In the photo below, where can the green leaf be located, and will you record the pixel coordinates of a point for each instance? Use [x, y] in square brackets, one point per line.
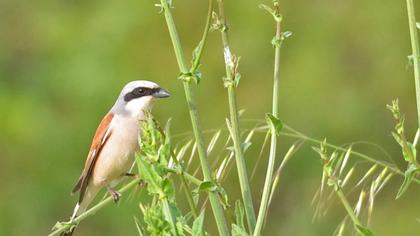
[418, 25]
[237, 79]
[397, 138]
[155, 221]
[196, 52]
[168, 189]
[138, 226]
[244, 147]
[238, 231]
[198, 225]
[150, 176]
[274, 123]
[409, 174]
[239, 214]
[223, 196]
[207, 186]
[363, 231]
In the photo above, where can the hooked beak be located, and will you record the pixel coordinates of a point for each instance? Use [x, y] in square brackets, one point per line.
[161, 93]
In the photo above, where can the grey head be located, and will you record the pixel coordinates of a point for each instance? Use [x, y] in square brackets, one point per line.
[137, 96]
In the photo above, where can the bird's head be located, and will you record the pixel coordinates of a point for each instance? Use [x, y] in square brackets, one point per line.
[138, 96]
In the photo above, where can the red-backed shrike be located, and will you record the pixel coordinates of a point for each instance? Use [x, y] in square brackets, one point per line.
[115, 142]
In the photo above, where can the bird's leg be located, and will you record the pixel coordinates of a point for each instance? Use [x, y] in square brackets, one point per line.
[114, 194]
[130, 174]
[141, 182]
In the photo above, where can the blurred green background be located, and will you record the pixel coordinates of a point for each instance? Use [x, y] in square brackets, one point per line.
[62, 64]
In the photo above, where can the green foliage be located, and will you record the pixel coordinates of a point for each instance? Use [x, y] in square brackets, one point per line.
[162, 216]
[198, 226]
[332, 168]
[409, 151]
[363, 231]
[155, 221]
[239, 227]
[274, 122]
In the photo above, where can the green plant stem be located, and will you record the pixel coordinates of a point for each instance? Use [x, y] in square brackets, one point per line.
[93, 209]
[214, 200]
[192, 179]
[416, 53]
[235, 130]
[394, 169]
[273, 145]
[348, 208]
[196, 62]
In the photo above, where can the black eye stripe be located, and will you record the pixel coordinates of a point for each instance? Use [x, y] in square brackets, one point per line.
[139, 92]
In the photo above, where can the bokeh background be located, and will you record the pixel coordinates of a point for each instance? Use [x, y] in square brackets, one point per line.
[63, 62]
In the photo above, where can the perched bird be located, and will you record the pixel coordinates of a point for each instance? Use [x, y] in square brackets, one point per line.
[115, 142]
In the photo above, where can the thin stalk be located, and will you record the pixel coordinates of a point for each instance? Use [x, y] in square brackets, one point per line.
[348, 208]
[416, 53]
[273, 144]
[214, 200]
[192, 179]
[66, 226]
[234, 122]
[359, 154]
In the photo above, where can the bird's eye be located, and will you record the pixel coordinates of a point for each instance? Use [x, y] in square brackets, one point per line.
[140, 91]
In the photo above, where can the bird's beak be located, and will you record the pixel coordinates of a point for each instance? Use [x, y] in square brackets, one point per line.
[161, 93]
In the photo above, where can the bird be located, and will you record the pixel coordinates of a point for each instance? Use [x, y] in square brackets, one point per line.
[115, 143]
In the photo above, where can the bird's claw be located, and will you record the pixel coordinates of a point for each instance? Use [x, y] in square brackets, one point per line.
[115, 195]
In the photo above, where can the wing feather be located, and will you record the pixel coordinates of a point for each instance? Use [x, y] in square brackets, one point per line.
[102, 135]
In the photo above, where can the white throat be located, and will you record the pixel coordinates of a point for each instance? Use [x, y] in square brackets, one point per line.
[137, 107]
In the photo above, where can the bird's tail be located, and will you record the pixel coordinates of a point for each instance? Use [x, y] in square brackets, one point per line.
[82, 207]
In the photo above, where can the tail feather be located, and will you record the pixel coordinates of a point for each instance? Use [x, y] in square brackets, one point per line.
[82, 207]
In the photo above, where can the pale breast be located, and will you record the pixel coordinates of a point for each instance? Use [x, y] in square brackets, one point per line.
[117, 156]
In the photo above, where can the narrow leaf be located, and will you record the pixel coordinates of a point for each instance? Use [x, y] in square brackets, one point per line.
[274, 123]
[409, 174]
[198, 225]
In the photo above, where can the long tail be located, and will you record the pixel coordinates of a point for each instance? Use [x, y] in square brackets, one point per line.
[82, 206]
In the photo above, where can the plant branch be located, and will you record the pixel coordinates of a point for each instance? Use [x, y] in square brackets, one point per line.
[231, 76]
[67, 225]
[273, 144]
[348, 208]
[392, 168]
[416, 53]
[186, 77]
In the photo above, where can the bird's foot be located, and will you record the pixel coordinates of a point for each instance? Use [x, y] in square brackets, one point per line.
[141, 183]
[131, 175]
[114, 194]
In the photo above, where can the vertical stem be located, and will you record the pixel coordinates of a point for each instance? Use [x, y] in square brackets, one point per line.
[214, 200]
[234, 120]
[240, 162]
[273, 146]
[416, 53]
